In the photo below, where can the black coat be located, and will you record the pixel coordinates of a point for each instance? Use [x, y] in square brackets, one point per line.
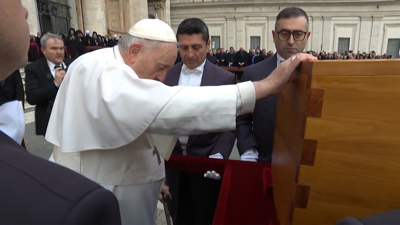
[36, 191]
[12, 88]
[256, 130]
[192, 192]
[40, 90]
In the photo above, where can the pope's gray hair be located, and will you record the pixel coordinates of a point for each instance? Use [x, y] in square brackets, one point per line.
[127, 40]
[48, 36]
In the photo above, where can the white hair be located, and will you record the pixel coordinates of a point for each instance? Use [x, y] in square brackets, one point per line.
[127, 40]
[46, 37]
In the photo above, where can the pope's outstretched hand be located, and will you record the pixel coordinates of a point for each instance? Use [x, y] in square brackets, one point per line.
[279, 78]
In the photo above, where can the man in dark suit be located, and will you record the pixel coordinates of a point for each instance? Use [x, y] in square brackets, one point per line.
[43, 78]
[33, 190]
[221, 58]
[255, 132]
[240, 57]
[12, 120]
[195, 197]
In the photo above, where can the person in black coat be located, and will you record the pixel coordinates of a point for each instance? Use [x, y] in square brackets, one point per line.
[211, 57]
[34, 190]
[12, 88]
[81, 44]
[255, 131]
[194, 197]
[43, 78]
[72, 43]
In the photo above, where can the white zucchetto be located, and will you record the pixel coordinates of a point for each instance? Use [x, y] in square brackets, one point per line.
[153, 29]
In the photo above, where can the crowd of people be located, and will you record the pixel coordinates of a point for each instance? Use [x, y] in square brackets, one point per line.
[75, 43]
[242, 57]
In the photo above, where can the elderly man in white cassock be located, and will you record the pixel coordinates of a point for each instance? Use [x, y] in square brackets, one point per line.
[111, 105]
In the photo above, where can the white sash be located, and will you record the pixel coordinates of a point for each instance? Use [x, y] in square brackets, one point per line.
[12, 121]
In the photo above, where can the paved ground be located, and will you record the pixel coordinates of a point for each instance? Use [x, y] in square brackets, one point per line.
[36, 144]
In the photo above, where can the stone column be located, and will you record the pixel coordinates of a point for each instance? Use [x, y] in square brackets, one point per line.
[73, 13]
[136, 11]
[240, 34]
[327, 34]
[376, 42]
[79, 15]
[230, 33]
[33, 18]
[365, 31]
[270, 38]
[310, 40]
[167, 14]
[316, 33]
[94, 16]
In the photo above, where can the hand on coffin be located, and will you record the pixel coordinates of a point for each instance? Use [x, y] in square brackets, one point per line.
[213, 175]
[164, 192]
[280, 77]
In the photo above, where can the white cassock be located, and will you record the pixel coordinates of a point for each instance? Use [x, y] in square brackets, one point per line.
[12, 121]
[104, 118]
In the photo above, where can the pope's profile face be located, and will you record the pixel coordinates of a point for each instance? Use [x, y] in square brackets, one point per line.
[15, 41]
[154, 62]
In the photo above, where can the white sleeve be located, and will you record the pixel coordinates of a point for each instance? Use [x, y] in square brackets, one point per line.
[195, 110]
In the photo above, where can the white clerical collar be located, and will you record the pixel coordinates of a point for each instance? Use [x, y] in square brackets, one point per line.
[198, 70]
[117, 54]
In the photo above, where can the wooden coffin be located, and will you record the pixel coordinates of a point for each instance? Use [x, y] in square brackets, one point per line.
[337, 142]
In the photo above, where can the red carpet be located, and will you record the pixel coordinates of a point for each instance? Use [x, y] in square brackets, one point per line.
[246, 193]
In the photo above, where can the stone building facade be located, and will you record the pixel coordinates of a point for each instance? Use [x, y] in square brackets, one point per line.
[358, 25]
[103, 16]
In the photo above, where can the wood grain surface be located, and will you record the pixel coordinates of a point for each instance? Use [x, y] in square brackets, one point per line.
[339, 136]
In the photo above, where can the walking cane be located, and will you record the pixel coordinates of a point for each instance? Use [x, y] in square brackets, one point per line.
[166, 197]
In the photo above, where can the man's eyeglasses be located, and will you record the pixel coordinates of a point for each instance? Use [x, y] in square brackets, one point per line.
[298, 35]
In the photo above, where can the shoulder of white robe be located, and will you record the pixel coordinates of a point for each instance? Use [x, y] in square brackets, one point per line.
[104, 122]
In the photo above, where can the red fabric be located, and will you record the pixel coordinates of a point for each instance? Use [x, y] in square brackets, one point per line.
[37, 48]
[246, 191]
[67, 51]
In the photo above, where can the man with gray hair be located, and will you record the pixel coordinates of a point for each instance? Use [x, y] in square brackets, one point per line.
[44, 77]
[111, 112]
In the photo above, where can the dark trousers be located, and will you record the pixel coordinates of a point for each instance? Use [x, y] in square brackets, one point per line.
[197, 199]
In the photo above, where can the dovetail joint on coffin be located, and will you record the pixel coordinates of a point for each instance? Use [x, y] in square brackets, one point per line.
[309, 152]
[315, 103]
[302, 195]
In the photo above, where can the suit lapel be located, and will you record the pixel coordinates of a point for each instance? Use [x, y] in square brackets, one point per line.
[45, 67]
[172, 78]
[207, 79]
[275, 60]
